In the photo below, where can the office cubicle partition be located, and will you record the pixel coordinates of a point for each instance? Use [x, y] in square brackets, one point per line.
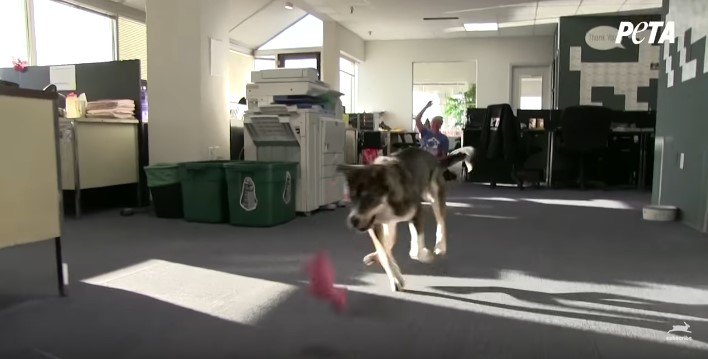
[30, 183]
[102, 80]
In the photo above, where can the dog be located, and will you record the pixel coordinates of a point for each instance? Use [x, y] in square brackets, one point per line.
[392, 190]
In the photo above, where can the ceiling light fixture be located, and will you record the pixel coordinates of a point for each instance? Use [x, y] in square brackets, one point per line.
[289, 5]
[481, 26]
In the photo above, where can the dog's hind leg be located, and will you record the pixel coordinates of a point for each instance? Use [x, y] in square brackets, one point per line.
[440, 212]
[387, 262]
[418, 250]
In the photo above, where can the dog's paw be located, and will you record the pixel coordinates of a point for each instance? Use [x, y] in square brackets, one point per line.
[440, 249]
[370, 259]
[397, 285]
[423, 256]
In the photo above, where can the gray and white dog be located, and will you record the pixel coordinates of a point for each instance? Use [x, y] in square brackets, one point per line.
[393, 190]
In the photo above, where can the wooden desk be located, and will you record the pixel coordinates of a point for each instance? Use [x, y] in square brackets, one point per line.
[98, 153]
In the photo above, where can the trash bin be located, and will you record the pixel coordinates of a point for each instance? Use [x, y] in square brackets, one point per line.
[261, 194]
[166, 189]
[204, 193]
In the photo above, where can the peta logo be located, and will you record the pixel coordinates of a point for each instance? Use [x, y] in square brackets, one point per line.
[627, 29]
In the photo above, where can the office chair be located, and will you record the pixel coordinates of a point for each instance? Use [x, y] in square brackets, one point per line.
[585, 131]
[501, 144]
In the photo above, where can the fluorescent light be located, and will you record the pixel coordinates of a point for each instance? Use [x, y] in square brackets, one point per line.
[481, 26]
[289, 5]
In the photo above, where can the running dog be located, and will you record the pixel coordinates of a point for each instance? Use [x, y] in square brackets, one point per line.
[392, 190]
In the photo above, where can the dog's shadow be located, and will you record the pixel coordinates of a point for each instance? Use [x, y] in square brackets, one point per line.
[624, 313]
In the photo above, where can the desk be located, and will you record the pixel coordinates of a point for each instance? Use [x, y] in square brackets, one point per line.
[97, 153]
[643, 134]
[548, 171]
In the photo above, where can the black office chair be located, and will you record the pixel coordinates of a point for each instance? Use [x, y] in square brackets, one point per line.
[501, 144]
[585, 132]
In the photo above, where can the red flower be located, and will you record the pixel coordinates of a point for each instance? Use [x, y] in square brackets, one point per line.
[19, 65]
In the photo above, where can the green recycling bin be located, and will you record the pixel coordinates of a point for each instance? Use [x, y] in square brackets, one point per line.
[165, 189]
[204, 193]
[261, 194]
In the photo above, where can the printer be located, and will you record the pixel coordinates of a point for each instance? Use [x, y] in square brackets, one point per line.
[294, 117]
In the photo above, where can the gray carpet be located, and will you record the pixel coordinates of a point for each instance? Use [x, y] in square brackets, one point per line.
[530, 274]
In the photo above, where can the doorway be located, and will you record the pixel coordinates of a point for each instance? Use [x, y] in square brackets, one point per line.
[531, 87]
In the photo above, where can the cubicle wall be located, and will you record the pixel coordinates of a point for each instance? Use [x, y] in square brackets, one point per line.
[30, 184]
[681, 164]
[30, 208]
[102, 80]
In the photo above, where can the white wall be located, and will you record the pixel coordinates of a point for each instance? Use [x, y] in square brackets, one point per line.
[188, 106]
[386, 77]
[445, 72]
[240, 67]
[329, 57]
[351, 44]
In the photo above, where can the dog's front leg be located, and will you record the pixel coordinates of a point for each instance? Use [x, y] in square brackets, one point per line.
[441, 230]
[387, 262]
[418, 250]
[388, 237]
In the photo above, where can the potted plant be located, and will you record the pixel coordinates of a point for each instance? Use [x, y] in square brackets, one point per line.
[456, 106]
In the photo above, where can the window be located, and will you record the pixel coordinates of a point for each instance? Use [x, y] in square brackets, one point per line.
[13, 32]
[67, 34]
[531, 93]
[132, 43]
[305, 33]
[348, 83]
[300, 63]
[300, 60]
[264, 63]
[451, 86]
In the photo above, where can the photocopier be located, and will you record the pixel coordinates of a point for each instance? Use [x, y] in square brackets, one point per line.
[294, 117]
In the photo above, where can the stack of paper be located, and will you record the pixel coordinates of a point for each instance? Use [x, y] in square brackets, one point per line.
[111, 109]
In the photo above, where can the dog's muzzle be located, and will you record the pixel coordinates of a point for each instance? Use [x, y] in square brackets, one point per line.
[361, 224]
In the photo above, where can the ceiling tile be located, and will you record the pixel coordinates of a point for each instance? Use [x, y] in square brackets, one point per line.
[516, 13]
[651, 3]
[555, 11]
[630, 7]
[602, 2]
[597, 9]
[548, 3]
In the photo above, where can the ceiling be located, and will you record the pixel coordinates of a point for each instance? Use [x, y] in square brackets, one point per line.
[397, 19]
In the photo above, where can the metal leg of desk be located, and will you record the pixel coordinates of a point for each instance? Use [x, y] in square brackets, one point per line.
[641, 181]
[77, 180]
[549, 160]
[60, 266]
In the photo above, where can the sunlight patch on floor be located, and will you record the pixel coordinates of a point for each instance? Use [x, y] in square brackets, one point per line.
[576, 305]
[593, 203]
[485, 216]
[223, 295]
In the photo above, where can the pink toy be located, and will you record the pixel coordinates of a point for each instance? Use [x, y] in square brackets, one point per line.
[321, 274]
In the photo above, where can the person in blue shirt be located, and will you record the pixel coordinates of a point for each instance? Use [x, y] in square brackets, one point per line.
[431, 139]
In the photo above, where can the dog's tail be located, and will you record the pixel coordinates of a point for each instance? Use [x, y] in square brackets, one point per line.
[462, 154]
